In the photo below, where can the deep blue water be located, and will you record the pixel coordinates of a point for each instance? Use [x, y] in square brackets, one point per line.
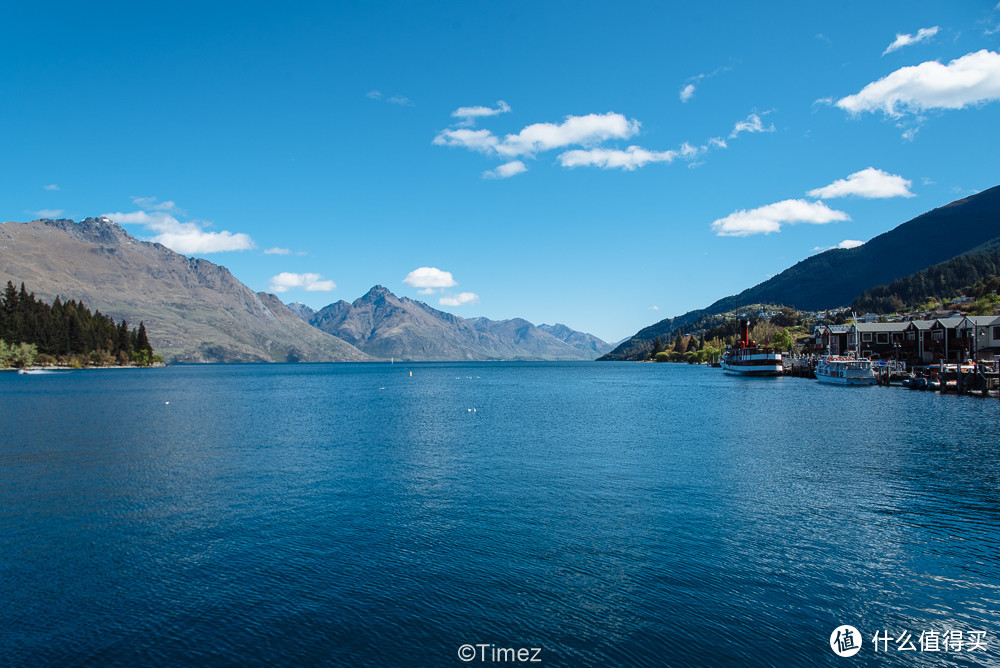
[608, 514]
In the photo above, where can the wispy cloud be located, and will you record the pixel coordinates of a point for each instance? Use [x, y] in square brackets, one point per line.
[539, 137]
[398, 100]
[468, 115]
[506, 170]
[287, 280]
[770, 218]
[582, 130]
[906, 39]
[51, 186]
[970, 80]
[278, 251]
[752, 124]
[187, 238]
[687, 92]
[430, 278]
[460, 299]
[629, 159]
[590, 133]
[49, 213]
[869, 183]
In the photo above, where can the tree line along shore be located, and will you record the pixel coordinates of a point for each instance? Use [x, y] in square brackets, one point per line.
[68, 334]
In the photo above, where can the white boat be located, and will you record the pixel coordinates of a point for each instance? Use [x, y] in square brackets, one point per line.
[845, 371]
[746, 358]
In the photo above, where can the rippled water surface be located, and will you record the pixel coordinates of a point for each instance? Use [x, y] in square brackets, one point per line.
[608, 514]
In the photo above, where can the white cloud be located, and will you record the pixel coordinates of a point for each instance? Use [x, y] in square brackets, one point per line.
[49, 213]
[395, 99]
[583, 130]
[687, 92]
[474, 140]
[906, 40]
[278, 251]
[539, 137]
[770, 218]
[155, 204]
[629, 159]
[459, 299]
[506, 170]
[51, 186]
[589, 132]
[752, 123]
[846, 243]
[869, 183]
[429, 277]
[972, 79]
[470, 114]
[653, 308]
[286, 281]
[187, 238]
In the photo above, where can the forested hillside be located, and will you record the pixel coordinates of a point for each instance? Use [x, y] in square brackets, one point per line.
[67, 332]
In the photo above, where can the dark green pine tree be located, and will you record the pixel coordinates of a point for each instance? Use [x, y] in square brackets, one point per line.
[124, 340]
[142, 340]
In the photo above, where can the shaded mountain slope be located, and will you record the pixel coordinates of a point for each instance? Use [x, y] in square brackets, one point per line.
[838, 276]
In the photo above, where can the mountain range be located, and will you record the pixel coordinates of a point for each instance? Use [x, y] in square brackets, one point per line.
[194, 310]
[386, 326]
[197, 311]
[838, 276]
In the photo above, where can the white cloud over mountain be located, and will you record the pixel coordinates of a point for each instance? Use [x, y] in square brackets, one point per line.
[460, 299]
[287, 280]
[869, 183]
[770, 218]
[186, 238]
[430, 277]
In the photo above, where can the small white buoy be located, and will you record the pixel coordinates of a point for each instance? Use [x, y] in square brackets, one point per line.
[166, 403]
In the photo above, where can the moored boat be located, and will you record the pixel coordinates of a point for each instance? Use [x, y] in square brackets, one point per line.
[851, 369]
[746, 358]
[845, 371]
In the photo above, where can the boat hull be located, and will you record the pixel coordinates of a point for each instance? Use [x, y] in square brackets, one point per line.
[753, 362]
[845, 371]
[758, 371]
[837, 380]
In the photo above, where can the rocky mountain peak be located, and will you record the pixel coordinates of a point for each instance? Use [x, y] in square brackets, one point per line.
[101, 230]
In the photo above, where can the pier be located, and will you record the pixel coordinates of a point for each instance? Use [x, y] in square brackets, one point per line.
[981, 379]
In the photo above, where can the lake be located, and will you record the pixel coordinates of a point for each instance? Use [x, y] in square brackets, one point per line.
[479, 513]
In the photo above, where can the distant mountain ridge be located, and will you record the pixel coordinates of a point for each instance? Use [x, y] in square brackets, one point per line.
[194, 310]
[386, 326]
[838, 276]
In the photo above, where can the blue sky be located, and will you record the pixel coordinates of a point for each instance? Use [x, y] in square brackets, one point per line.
[603, 165]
